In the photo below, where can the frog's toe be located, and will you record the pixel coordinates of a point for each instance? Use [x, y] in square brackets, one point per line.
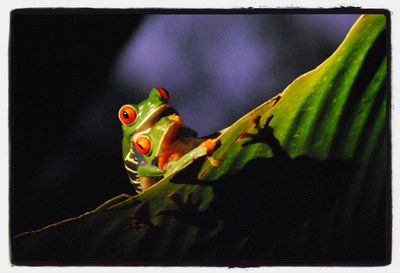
[209, 144]
[215, 162]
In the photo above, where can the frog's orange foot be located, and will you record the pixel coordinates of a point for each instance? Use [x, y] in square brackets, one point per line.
[176, 118]
[209, 144]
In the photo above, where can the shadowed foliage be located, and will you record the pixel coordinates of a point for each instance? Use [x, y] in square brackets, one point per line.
[303, 178]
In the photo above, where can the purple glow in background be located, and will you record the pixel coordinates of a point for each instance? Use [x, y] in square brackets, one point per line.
[218, 67]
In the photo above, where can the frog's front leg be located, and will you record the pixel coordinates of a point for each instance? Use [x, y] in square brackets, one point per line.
[149, 175]
[205, 148]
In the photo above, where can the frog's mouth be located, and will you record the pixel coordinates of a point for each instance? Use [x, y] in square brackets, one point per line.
[159, 112]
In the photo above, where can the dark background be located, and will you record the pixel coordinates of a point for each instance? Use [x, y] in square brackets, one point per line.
[62, 165]
[69, 76]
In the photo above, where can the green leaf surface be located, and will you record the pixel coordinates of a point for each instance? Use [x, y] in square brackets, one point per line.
[302, 177]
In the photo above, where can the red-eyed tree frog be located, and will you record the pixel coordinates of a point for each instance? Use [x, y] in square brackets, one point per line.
[155, 140]
[141, 116]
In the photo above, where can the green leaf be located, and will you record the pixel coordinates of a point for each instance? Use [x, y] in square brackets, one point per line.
[302, 177]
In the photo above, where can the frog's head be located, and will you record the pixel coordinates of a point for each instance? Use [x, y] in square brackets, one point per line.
[153, 144]
[142, 116]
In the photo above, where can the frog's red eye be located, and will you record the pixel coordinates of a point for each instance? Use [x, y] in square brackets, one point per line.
[143, 145]
[163, 93]
[127, 114]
